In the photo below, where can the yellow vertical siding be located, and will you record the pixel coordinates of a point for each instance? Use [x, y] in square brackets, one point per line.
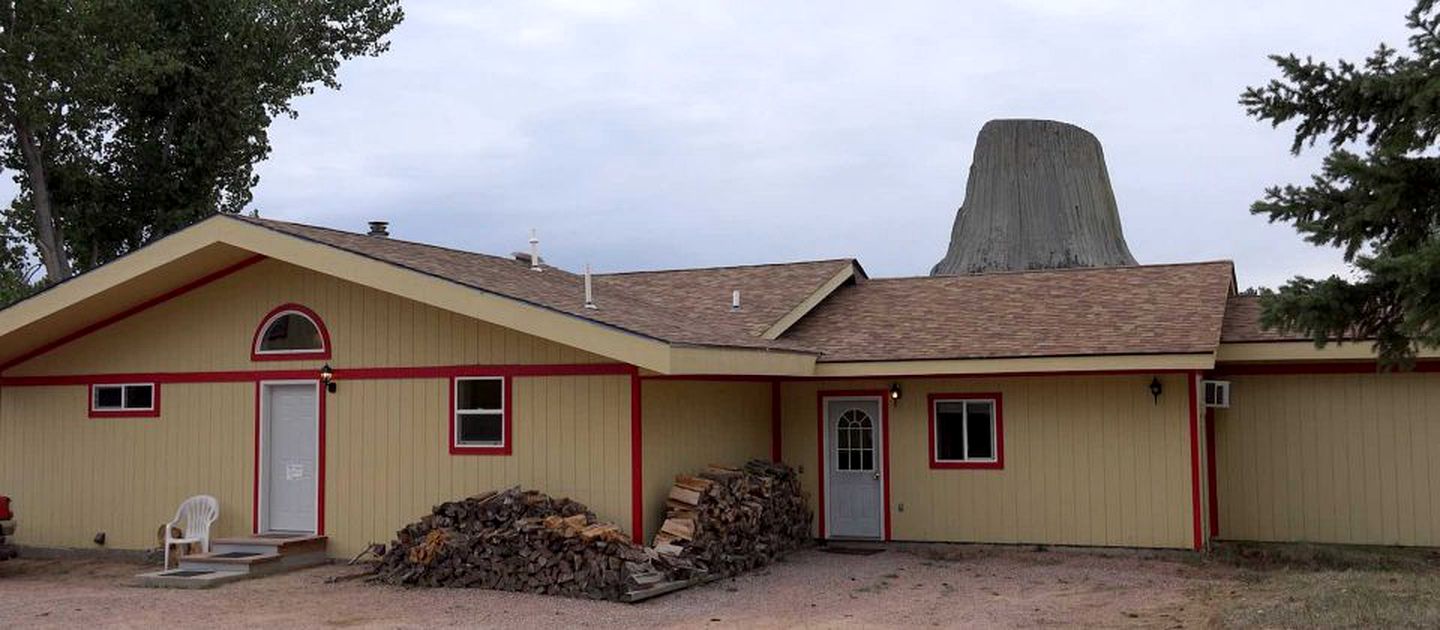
[387, 457]
[688, 424]
[1344, 458]
[1088, 461]
[72, 476]
[212, 327]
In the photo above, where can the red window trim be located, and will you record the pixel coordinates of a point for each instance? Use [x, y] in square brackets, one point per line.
[507, 445]
[298, 309]
[998, 400]
[152, 412]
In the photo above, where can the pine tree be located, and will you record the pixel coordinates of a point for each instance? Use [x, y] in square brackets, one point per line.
[1377, 195]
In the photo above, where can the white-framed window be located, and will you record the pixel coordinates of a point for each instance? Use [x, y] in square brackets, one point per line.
[123, 398]
[479, 416]
[291, 330]
[966, 431]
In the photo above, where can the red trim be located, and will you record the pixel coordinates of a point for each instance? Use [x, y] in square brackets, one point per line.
[354, 374]
[744, 378]
[1223, 370]
[775, 418]
[1199, 541]
[163, 297]
[152, 412]
[255, 482]
[321, 354]
[320, 456]
[888, 377]
[998, 400]
[823, 467]
[1210, 474]
[507, 428]
[637, 463]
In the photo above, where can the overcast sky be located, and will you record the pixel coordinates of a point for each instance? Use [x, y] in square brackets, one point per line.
[639, 135]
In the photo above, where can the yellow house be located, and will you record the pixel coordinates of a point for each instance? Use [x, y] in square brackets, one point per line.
[339, 384]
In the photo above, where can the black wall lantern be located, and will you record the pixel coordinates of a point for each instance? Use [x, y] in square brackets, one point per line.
[894, 392]
[1155, 388]
[327, 376]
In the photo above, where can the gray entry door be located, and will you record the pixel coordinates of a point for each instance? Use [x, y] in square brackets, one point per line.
[854, 501]
[291, 474]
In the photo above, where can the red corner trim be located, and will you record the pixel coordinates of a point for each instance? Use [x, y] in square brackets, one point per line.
[323, 353]
[995, 397]
[822, 466]
[163, 297]
[1199, 541]
[320, 456]
[1210, 473]
[507, 446]
[152, 412]
[775, 422]
[255, 481]
[637, 463]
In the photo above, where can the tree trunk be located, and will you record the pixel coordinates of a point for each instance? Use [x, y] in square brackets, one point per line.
[48, 238]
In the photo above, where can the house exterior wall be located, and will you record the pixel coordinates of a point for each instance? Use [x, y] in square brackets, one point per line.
[1330, 458]
[1089, 460]
[387, 458]
[690, 424]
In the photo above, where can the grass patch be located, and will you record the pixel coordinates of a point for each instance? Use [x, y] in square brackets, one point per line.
[1332, 599]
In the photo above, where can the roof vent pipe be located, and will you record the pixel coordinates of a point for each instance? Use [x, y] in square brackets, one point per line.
[589, 289]
[534, 251]
[379, 228]
[735, 300]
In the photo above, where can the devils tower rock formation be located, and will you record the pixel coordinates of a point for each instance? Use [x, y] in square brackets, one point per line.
[1038, 198]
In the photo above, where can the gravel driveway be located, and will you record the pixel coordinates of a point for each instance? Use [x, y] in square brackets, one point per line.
[921, 586]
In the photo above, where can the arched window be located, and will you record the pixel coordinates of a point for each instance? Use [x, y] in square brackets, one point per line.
[291, 332]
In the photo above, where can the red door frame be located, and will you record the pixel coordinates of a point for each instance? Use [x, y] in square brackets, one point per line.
[883, 397]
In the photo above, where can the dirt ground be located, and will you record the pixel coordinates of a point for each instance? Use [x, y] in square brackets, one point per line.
[947, 586]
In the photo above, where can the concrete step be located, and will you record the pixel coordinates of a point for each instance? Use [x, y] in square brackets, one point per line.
[251, 562]
[184, 578]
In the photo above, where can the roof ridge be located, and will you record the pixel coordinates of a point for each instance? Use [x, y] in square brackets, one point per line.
[468, 252]
[722, 267]
[1016, 272]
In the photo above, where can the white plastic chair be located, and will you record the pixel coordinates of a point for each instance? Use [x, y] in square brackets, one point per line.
[193, 518]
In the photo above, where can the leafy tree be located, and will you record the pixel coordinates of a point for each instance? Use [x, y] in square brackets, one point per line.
[1377, 195]
[125, 120]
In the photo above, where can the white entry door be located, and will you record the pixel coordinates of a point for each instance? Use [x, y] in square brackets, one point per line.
[854, 501]
[290, 440]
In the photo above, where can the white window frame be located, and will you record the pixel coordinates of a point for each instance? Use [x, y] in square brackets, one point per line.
[270, 321]
[95, 397]
[965, 431]
[455, 412]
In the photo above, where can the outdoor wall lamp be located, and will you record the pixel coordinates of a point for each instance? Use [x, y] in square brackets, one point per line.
[894, 392]
[327, 376]
[1156, 388]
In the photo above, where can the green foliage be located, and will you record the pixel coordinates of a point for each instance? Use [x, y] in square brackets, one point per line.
[1380, 205]
[152, 115]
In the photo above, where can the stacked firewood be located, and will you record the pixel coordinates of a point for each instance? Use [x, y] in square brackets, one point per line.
[727, 520]
[520, 541]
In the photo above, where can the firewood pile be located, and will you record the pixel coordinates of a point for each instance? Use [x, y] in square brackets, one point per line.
[523, 541]
[727, 520]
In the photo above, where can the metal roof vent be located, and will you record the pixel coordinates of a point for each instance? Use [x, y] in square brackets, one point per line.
[589, 289]
[534, 251]
[379, 229]
[735, 300]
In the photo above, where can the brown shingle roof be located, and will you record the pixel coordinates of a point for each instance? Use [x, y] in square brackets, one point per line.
[1122, 310]
[655, 316]
[1242, 323]
[767, 292]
